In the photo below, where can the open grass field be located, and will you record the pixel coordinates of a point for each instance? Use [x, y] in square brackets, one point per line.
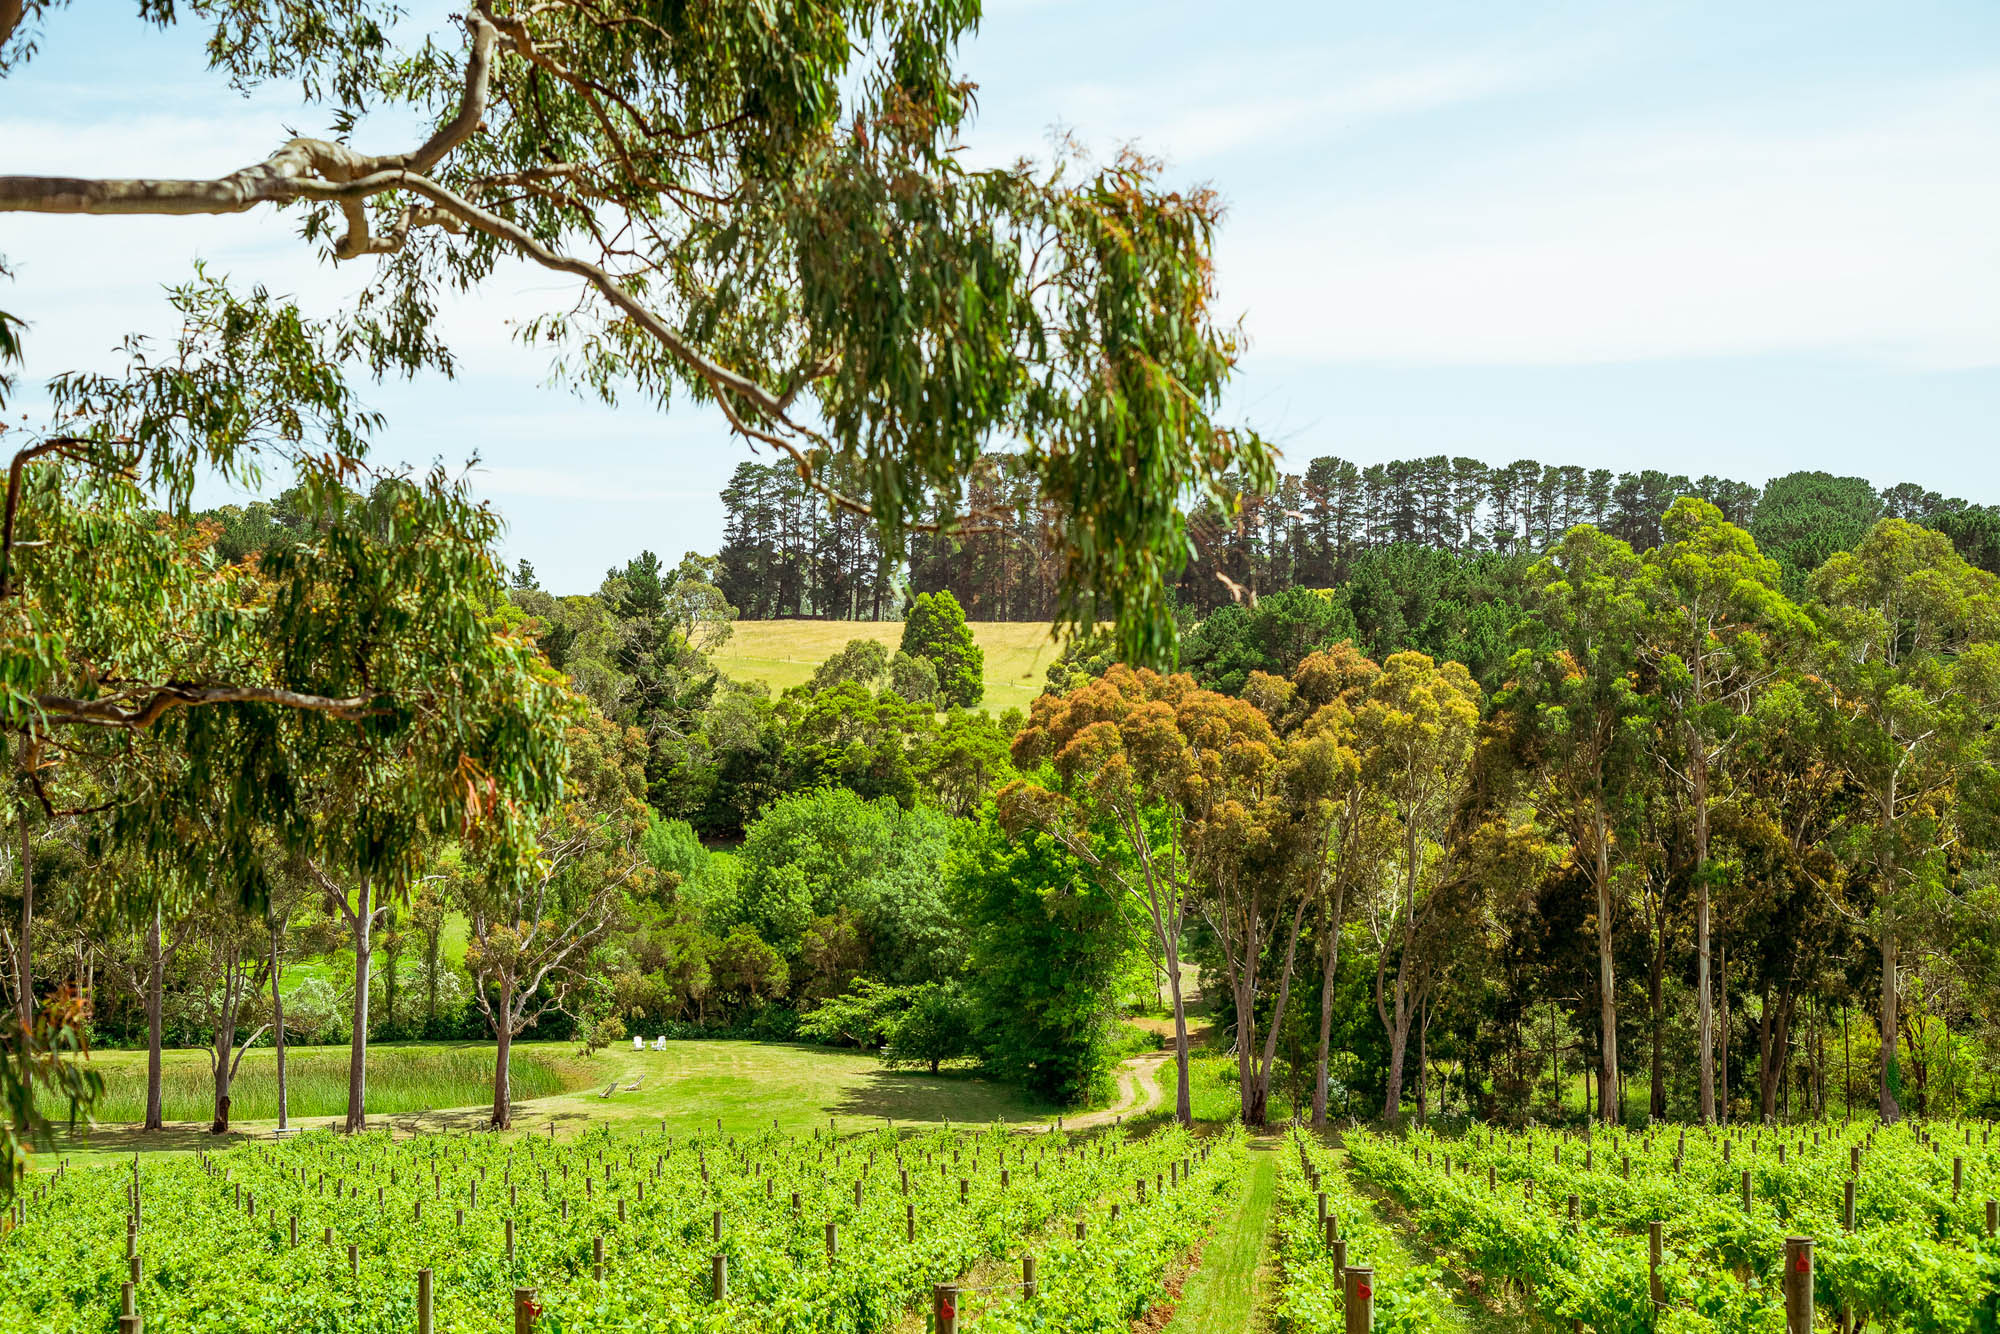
[784, 653]
[401, 1078]
[743, 1086]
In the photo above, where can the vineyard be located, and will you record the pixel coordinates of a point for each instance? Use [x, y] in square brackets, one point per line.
[1624, 1232]
[613, 1231]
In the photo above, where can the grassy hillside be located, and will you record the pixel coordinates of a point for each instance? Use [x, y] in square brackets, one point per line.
[784, 653]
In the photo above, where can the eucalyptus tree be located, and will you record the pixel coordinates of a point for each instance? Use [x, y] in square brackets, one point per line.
[533, 930]
[1121, 765]
[1340, 831]
[1417, 728]
[233, 969]
[1581, 712]
[762, 208]
[1240, 839]
[1715, 613]
[205, 713]
[1910, 675]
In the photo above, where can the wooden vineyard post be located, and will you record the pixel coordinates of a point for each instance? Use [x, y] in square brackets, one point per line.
[1847, 1204]
[1339, 1248]
[1746, 1190]
[910, 1222]
[1992, 1215]
[597, 1257]
[1028, 1288]
[424, 1301]
[1798, 1285]
[832, 1241]
[526, 1309]
[944, 1309]
[718, 1277]
[1360, 1294]
[353, 1260]
[130, 1324]
[1332, 1229]
[1654, 1248]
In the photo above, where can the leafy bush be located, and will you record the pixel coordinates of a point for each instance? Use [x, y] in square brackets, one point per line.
[937, 1027]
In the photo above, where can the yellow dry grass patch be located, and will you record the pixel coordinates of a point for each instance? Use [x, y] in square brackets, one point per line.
[784, 653]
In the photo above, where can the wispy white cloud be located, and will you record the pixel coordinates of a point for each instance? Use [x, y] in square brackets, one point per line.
[1868, 233]
[1201, 113]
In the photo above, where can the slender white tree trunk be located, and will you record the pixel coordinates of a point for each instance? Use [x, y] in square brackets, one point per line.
[503, 1028]
[357, 1053]
[156, 974]
[1891, 1111]
[1608, 1096]
[278, 1026]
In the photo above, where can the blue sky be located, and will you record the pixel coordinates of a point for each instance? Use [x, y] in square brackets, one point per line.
[1727, 238]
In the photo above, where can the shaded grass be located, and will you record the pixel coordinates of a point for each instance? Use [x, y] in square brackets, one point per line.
[401, 1078]
[784, 653]
[1214, 1094]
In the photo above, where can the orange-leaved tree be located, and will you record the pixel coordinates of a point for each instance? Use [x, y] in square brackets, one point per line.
[1121, 765]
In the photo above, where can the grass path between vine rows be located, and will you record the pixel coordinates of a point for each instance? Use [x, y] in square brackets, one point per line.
[1228, 1293]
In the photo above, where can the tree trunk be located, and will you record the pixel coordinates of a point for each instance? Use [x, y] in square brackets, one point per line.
[1262, 1062]
[1767, 1089]
[156, 974]
[1722, 1063]
[1886, 1104]
[223, 1042]
[1242, 988]
[1399, 1043]
[503, 1089]
[357, 1054]
[1325, 1021]
[1424, 1067]
[1656, 1103]
[24, 962]
[1704, 1004]
[1183, 1101]
[278, 1026]
[1607, 985]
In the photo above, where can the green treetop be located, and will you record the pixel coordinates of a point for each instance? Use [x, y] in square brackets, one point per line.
[935, 631]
